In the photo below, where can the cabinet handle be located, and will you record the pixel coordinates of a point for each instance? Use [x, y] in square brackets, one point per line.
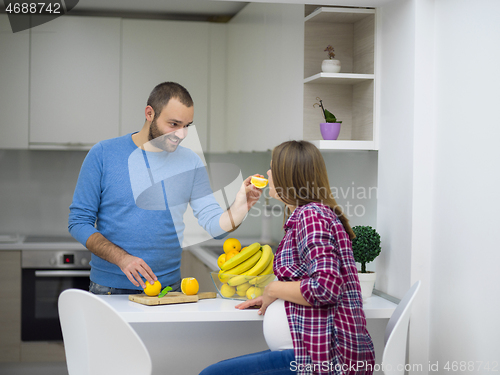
[75, 144]
[62, 273]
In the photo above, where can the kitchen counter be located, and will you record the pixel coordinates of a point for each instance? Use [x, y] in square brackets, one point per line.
[205, 310]
[21, 242]
[216, 310]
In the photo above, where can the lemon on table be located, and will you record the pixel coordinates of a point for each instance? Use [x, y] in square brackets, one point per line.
[231, 244]
[259, 182]
[221, 259]
[189, 286]
[152, 290]
[227, 290]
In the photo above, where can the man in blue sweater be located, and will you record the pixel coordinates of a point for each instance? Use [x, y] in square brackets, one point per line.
[132, 193]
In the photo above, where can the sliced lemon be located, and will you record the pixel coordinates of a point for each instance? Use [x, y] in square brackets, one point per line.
[259, 182]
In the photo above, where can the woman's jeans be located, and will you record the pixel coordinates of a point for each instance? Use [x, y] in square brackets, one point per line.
[266, 362]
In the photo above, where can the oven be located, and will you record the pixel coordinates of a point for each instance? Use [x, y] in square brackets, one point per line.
[45, 274]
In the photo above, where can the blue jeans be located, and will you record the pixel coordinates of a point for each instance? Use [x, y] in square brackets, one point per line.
[101, 289]
[266, 362]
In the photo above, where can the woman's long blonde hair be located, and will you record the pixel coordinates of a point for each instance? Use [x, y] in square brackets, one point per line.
[300, 177]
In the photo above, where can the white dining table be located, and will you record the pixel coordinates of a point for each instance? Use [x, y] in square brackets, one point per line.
[185, 338]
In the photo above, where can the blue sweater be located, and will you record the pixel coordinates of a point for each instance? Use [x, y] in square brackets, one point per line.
[137, 199]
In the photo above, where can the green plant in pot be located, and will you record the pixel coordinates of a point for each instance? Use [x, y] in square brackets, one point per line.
[330, 129]
[366, 247]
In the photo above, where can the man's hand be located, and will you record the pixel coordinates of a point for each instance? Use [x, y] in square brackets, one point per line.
[250, 193]
[246, 197]
[133, 267]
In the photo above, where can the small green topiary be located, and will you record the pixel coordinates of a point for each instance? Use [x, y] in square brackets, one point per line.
[366, 245]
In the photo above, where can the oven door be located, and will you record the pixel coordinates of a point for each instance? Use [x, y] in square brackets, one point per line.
[40, 292]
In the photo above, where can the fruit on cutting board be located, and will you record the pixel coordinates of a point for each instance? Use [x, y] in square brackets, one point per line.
[189, 286]
[258, 182]
[152, 290]
[250, 269]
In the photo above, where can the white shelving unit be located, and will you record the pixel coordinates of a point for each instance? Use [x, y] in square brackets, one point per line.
[349, 95]
[339, 78]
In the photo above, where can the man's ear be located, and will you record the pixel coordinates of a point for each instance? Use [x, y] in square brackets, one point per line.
[150, 113]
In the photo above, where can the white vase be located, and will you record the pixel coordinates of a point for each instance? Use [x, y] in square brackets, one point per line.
[367, 281]
[330, 66]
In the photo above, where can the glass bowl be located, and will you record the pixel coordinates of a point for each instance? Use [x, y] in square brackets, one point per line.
[241, 287]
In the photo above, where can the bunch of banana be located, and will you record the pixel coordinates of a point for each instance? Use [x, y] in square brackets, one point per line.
[248, 272]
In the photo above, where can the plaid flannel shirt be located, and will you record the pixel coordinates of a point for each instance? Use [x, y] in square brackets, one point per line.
[330, 337]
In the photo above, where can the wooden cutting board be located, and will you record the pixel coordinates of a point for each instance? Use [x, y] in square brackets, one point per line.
[171, 297]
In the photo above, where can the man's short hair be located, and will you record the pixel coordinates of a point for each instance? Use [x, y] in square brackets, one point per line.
[162, 93]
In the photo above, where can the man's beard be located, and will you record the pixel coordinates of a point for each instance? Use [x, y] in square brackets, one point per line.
[160, 140]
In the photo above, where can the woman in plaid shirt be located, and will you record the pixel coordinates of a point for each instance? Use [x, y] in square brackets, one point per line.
[317, 279]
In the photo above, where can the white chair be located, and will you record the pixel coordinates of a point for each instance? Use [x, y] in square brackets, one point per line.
[97, 340]
[396, 334]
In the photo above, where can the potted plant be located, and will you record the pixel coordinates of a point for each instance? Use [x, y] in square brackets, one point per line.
[366, 247]
[330, 65]
[330, 129]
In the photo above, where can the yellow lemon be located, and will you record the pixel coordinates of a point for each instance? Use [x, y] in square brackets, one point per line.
[152, 290]
[259, 182]
[253, 292]
[231, 244]
[231, 254]
[227, 290]
[242, 288]
[189, 286]
[221, 259]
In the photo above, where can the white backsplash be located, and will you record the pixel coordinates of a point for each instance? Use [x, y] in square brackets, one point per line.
[36, 189]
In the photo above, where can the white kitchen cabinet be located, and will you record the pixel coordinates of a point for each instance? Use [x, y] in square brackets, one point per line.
[158, 51]
[10, 308]
[14, 86]
[350, 94]
[264, 76]
[74, 78]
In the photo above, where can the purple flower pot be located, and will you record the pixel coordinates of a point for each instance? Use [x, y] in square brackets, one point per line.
[330, 130]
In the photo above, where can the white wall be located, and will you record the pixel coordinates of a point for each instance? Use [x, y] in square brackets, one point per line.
[466, 254]
[438, 176]
[394, 217]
